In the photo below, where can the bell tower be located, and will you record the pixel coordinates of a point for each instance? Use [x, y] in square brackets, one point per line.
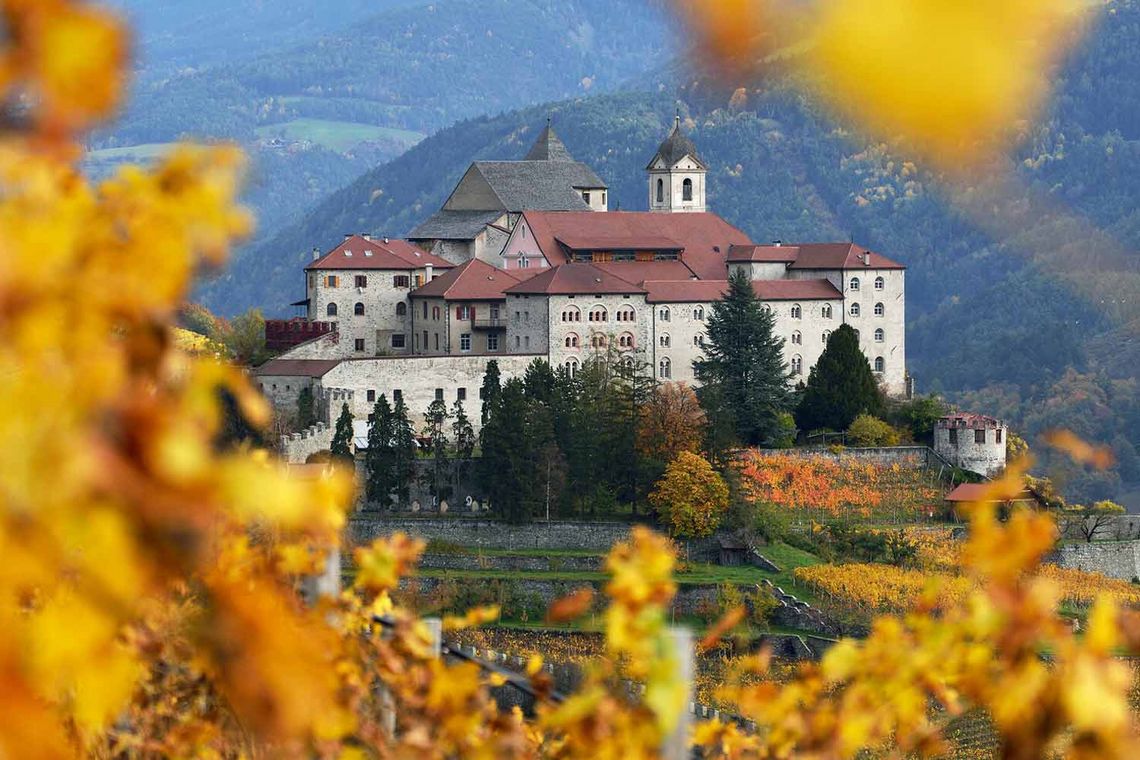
[677, 175]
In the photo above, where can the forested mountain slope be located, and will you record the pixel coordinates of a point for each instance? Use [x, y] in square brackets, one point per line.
[990, 321]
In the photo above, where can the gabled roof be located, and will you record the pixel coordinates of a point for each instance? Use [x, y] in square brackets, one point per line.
[763, 253]
[472, 280]
[795, 290]
[454, 225]
[685, 291]
[574, 279]
[704, 237]
[976, 493]
[587, 242]
[358, 252]
[548, 147]
[675, 147]
[639, 272]
[839, 256]
[545, 185]
[297, 367]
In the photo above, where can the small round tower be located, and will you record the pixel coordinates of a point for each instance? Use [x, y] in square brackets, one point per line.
[972, 442]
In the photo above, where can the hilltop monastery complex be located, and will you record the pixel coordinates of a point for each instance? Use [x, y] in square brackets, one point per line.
[525, 260]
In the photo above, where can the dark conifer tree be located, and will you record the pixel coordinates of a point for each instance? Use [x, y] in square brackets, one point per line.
[403, 451]
[435, 430]
[491, 389]
[342, 436]
[743, 365]
[306, 409]
[840, 386]
[379, 460]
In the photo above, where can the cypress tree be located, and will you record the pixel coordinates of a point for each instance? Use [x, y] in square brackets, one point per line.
[504, 472]
[840, 386]
[306, 410]
[435, 430]
[342, 436]
[379, 460]
[743, 366]
[403, 451]
[490, 390]
[463, 441]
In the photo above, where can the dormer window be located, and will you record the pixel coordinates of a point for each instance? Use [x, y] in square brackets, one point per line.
[586, 197]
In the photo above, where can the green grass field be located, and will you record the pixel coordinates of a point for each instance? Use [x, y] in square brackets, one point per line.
[337, 135]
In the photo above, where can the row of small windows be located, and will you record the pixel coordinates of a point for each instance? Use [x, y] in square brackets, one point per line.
[880, 283]
[798, 338]
[686, 190]
[598, 340]
[798, 312]
[880, 310]
[797, 364]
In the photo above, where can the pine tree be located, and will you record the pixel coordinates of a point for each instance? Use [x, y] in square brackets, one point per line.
[840, 386]
[539, 381]
[342, 436]
[463, 443]
[403, 451]
[435, 430]
[743, 365]
[379, 460]
[306, 410]
[490, 390]
[502, 472]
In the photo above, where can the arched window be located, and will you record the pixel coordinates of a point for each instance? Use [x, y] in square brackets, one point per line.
[880, 365]
[699, 313]
[599, 314]
[358, 309]
[571, 314]
[597, 340]
[664, 341]
[880, 310]
[857, 334]
[572, 340]
[797, 311]
[854, 309]
[826, 311]
[626, 314]
[625, 340]
[665, 368]
[854, 283]
[687, 189]
[826, 336]
[879, 335]
[663, 313]
[699, 340]
[331, 310]
[767, 308]
[797, 338]
[880, 283]
[401, 309]
[435, 313]
[571, 367]
[797, 365]
[660, 191]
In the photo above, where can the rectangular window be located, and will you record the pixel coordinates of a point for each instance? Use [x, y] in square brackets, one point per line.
[463, 312]
[465, 342]
[980, 436]
[437, 341]
[997, 436]
[371, 396]
[398, 340]
[331, 281]
[312, 281]
[953, 437]
[362, 281]
[360, 344]
[526, 341]
[425, 309]
[439, 394]
[461, 394]
[492, 342]
[401, 281]
[397, 396]
[586, 196]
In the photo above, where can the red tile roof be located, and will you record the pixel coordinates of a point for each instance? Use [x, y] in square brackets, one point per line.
[976, 492]
[685, 291]
[297, 367]
[705, 237]
[472, 280]
[795, 290]
[770, 253]
[574, 279]
[587, 242]
[838, 256]
[638, 272]
[356, 252]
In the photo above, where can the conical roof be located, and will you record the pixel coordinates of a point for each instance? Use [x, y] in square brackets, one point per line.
[675, 147]
[548, 147]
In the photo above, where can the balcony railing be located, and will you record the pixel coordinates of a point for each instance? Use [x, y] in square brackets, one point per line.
[494, 323]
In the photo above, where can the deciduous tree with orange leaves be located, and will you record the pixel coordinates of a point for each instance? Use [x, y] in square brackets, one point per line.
[672, 422]
[691, 497]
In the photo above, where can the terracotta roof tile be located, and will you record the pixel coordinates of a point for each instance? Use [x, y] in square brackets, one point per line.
[763, 253]
[574, 279]
[358, 252]
[795, 290]
[638, 272]
[472, 280]
[685, 291]
[297, 367]
[838, 256]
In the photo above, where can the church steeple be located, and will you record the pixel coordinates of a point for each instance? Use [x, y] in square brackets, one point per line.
[677, 175]
[548, 147]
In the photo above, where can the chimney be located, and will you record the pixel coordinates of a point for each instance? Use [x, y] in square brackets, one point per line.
[367, 235]
[427, 273]
[316, 253]
[348, 236]
[866, 258]
[777, 243]
[385, 241]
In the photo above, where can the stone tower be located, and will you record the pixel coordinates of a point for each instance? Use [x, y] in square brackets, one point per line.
[973, 442]
[677, 175]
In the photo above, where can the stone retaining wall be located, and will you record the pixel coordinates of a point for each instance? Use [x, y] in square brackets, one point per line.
[794, 613]
[437, 561]
[1115, 559]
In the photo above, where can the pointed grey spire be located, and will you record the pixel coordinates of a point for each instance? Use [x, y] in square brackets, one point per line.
[676, 146]
[548, 147]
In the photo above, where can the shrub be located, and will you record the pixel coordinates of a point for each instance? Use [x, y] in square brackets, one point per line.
[871, 431]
